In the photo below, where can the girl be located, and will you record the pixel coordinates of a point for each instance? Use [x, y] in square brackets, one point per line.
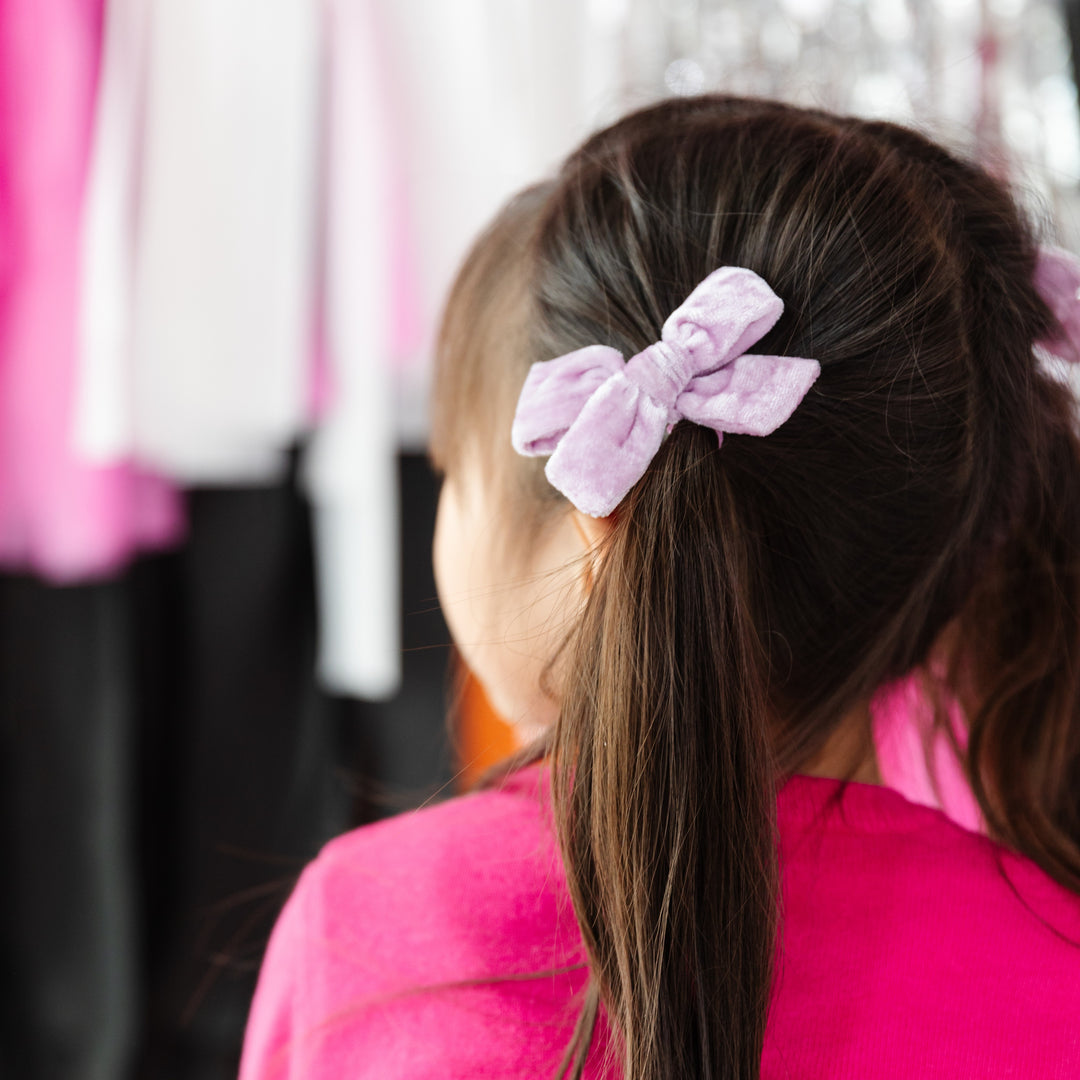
[799, 464]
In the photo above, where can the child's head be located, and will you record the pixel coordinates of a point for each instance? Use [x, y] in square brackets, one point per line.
[742, 600]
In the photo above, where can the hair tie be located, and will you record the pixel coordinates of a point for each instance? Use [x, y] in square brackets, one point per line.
[1057, 279]
[602, 418]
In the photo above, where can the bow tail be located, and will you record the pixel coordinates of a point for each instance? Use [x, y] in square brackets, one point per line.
[607, 449]
[753, 395]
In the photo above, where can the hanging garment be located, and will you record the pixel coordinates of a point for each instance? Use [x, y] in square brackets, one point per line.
[200, 238]
[69, 910]
[239, 766]
[202, 272]
[350, 469]
[402, 751]
[157, 800]
[61, 515]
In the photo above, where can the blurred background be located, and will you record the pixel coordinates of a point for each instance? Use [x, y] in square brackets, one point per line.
[226, 227]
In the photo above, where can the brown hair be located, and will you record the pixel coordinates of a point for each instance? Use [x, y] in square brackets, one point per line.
[748, 597]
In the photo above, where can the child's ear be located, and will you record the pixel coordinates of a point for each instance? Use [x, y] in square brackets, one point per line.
[593, 533]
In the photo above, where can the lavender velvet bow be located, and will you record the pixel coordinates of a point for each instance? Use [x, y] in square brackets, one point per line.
[602, 419]
[1057, 278]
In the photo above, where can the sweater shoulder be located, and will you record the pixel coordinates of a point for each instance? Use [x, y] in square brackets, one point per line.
[468, 888]
[442, 938]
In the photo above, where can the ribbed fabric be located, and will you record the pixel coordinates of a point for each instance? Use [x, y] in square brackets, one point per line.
[910, 947]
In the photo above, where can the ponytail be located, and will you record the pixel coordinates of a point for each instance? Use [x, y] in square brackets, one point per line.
[663, 785]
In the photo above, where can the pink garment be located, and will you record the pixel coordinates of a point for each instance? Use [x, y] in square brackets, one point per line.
[910, 948]
[917, 760]
[58, 515]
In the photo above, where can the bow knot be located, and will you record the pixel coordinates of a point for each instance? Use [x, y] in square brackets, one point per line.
[602, 419]
[662, 371]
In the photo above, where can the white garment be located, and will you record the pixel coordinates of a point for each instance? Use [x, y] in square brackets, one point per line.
[351, 467]
[104, 420]
[222, 159]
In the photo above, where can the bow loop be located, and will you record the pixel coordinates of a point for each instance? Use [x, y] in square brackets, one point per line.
[727, 313]
[554, 394]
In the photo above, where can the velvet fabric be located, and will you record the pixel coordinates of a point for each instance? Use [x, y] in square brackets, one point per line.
[602, 419]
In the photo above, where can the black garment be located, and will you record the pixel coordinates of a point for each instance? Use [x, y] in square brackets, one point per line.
[399, 751]
[167, 765]
[239, 752]
[68, 926]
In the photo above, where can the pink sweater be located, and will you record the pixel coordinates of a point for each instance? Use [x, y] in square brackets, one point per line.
[910, 948]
